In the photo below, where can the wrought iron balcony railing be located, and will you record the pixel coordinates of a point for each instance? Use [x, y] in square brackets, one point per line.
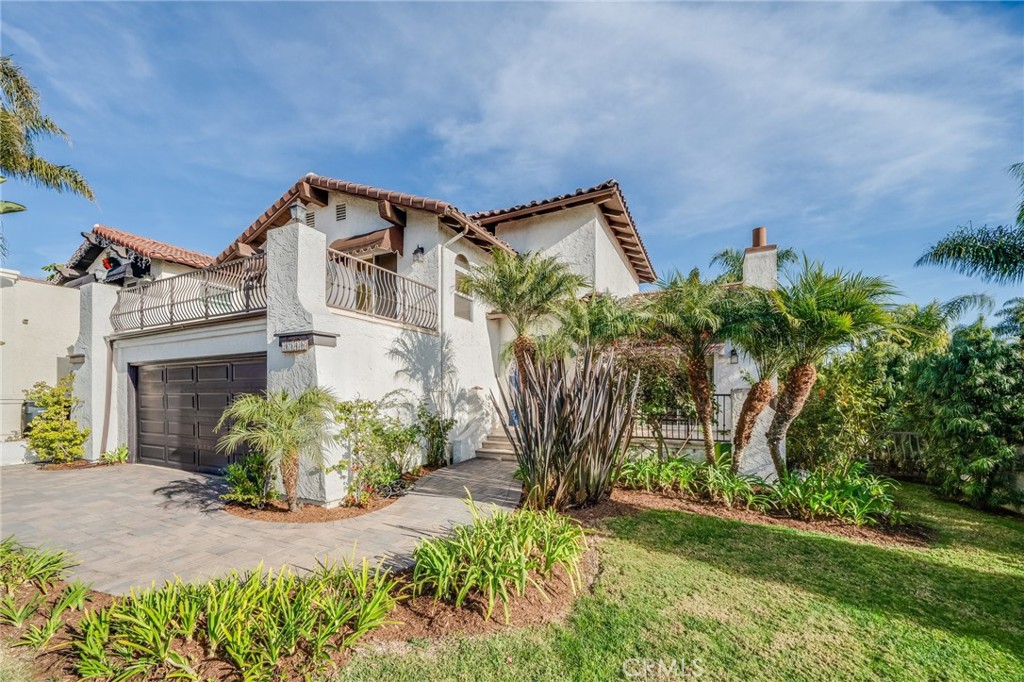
[225, 290]
[363, 287]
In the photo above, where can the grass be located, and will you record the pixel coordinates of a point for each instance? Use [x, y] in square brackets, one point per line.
[755, 602]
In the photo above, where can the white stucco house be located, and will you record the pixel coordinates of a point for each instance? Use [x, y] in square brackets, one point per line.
[336, 284]
[35, 341]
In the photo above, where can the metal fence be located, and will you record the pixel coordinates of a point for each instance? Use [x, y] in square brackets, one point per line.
[233, 288]
[363, 287]
[678, 426]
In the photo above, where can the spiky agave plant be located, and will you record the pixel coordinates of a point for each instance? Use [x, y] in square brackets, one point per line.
[573, 424]
[285, 428]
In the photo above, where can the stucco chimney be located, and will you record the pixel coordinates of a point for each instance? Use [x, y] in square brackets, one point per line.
[760, 261]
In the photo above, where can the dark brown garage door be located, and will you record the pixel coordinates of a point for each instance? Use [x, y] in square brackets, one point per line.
[178, 405]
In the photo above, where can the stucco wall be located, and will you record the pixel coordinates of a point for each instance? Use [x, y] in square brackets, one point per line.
[38, 326]
[580, 237]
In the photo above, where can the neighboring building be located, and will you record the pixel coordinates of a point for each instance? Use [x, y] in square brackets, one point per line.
[38, 326]
[336, 284]
[123, 259]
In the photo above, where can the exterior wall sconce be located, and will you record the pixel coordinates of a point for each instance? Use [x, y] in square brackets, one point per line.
[734, 357]
[298, 212]
[417, 254]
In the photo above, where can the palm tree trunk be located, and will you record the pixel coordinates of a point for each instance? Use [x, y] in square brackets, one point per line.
[758, 398]
[290, 479]
[524, 350]
[799, 382]
[700, 390]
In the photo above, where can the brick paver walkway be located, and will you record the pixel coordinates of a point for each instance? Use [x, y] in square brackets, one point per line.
[130, 525]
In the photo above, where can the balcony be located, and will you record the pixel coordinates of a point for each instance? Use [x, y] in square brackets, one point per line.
[231, 289]
[363, 287]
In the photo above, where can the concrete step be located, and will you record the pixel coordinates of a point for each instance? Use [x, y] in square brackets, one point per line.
[496, 455]
[496, 444]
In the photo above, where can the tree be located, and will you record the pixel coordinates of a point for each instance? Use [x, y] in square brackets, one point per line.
[996, 254]
[284, 428]
[1011, 319]
[525, 288]
[21, 124]
[969, 405]
[731, 261]
[596, 321]
[823, 311]
[692, 314]
[759, 329]
[862, 404]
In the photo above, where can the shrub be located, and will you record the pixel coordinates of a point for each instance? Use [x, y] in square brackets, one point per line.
[498, 556]
[250, 481]
[969, 405]
[685, 476]
[572, 428]
[20, 565]
[848, 493]
[53, 435]
[434, 429]
[380, 446]
[118, 455]
[265, 625]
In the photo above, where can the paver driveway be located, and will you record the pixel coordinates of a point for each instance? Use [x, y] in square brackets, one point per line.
[130, 525]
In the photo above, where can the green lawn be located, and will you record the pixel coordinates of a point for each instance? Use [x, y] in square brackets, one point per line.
[751, 602]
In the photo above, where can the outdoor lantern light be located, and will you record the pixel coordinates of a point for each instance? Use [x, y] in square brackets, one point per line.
[734, 357]
[298, 211]
[417, 254]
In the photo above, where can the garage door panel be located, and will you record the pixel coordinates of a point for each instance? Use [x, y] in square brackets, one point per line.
[214, 373]
[152, 427]
[179, 401]
[214, 401]
[252, 372]
[152, 401]
[178, 406]
[152, 454]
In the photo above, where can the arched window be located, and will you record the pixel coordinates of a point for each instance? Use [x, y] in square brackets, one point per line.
[463, 302]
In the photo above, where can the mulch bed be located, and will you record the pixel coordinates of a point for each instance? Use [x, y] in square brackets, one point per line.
[423, 617]
[632, 502]
[76, 464]
[276, 511]
[417, 618]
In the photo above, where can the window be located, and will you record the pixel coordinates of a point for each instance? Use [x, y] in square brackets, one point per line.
[463, 302]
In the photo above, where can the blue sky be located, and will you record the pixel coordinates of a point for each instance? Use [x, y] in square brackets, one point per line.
[858, 133]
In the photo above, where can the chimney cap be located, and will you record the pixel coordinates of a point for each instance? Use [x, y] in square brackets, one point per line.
[759, 237]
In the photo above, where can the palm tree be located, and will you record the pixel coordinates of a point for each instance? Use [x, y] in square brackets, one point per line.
[822, 311]
[285, 428]
[525, 288]
[692, 313]
[760, 329]
[731, 261]
[21, 122]
[996, 254]
[1011, 319]
[596, 321]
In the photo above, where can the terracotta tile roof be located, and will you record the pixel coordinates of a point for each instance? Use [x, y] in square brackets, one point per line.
[609, 199]
[306, 186]
[151, 248]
